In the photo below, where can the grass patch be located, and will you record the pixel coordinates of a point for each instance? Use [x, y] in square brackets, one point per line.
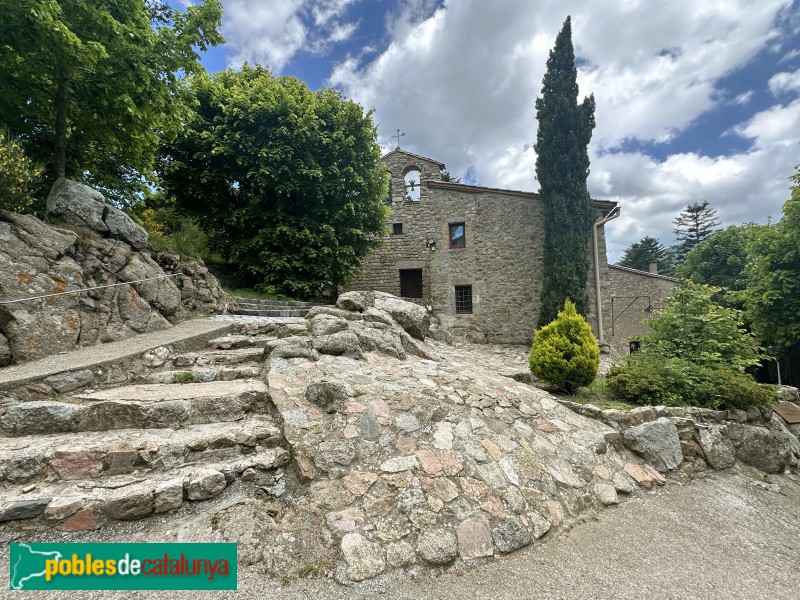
[107, 339]
[185, 377]
[311, 570]
[596, 393]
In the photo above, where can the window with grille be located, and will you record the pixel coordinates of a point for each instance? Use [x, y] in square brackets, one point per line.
[458, 238]
[464, 299]
[397, 228]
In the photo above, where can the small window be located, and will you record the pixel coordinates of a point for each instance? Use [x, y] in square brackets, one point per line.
[458, 238]
[397, 229]
[463, 299]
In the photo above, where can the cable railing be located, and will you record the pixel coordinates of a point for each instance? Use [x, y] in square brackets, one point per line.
[89, 289]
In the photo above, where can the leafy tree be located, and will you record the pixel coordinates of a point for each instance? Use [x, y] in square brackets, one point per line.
[695, 223]
[88, 86]
[773, 296]
[565, 353]
[695, 328]
[18, 174]
[562, 166]
[640, 254]
[722, 261]
[285, 181]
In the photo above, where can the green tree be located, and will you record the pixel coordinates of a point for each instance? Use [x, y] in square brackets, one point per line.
[88, 86]
[692, 226]
[565, 352]
[562, 166]
[722, 261]
[18, 175]
[285, 181]
[648, 250]
[446, 176]
[693, 327]
[773, 297]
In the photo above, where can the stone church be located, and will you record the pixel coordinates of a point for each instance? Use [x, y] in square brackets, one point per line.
[473, 254]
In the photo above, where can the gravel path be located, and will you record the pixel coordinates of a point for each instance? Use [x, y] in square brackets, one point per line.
[728, 536]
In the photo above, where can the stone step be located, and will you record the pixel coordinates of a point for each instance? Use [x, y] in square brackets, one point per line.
[271, 312]
[206, 374]
[274, 303]
[152, 406]
[99, 455]
[90, 504]
[94, 362]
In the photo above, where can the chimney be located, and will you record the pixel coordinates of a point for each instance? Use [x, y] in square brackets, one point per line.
[653, 268]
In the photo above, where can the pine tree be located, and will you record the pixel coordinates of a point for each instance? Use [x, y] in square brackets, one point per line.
[695, 223]
[648, 250]
[562, 165]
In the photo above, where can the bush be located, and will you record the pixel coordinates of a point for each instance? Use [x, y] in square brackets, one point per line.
[695, 328]
[565, 353]
[651, 379]
[18, 176]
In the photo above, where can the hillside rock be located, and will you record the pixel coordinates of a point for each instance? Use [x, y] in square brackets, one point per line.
[37, 259]
[78, 204]
[657, 441]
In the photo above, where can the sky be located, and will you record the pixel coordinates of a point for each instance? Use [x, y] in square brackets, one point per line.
[696, 100]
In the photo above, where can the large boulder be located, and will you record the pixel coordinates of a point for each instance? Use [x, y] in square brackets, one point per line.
[657, 442]
[768, 449]
[411, 317]
[718, 450]
[78, 204]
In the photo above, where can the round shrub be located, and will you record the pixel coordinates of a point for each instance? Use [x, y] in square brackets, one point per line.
[565, 353]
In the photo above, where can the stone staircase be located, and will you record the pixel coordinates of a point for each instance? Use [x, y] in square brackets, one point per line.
[194, 423]
[271, 308]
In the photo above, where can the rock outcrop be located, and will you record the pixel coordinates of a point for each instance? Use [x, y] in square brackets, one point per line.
[78, 204]
[37, 259]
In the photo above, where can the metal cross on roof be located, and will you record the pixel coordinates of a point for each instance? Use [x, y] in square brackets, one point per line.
[398, 136]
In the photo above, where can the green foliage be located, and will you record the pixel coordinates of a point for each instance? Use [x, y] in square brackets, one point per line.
[640, 254]
[773, 297]
[650, 379]
[722, 261]
[693, 356]
[106, 339]
[647, 378]
[562, 166]
[18, 175]
[565, 353]
[693, 327]
[695, 223]
[285, 181]
[446, 176]
[170, 230]
[185, 377]
[89, 86]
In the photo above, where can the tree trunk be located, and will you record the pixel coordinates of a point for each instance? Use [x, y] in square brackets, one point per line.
[60, 157]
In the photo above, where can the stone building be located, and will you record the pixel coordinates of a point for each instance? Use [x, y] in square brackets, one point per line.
[634, 296]
[473, 254]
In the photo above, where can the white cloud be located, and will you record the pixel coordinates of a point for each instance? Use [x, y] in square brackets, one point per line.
[743, 98]
[269, 33]
[273, 32]
[461, 80]
[785, 82]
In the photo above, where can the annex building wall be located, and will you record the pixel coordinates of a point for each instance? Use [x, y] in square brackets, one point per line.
[634, 295]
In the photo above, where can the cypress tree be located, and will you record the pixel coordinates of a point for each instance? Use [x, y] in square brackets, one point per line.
[562, 165]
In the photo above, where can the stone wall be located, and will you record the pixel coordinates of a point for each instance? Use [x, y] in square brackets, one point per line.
[502, 260]
[632, 292]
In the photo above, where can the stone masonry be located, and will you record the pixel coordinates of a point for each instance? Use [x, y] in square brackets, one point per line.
[502, 258]
[632, 292]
